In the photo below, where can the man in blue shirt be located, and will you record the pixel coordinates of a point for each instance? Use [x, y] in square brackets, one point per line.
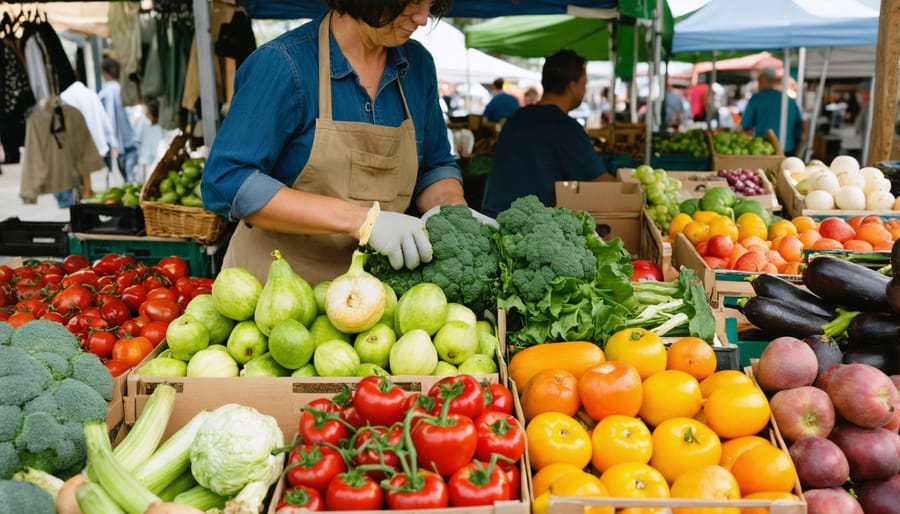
[763, 112]
[327, 121]
[501, 106]
[541, 144]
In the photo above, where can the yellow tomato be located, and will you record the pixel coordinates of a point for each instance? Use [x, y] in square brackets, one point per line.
[802, 223]
[616, 439]
[555, 437]
[682, 444]
[734, 448]
[578, 483]
[678, 222]
[541, 480]
[669, 394]
[635, 480]
[696, 232]
[736, 410]
[708, 483]
[750, 224]
[639, 347]
[722, 378]
[724, 225]
[541, 505]
[764, 468]
[706, 216]
[782, 228]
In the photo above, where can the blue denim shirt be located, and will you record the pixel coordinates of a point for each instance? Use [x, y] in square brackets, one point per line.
[265, 139]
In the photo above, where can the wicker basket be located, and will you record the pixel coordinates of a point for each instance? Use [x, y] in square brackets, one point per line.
[177, 221]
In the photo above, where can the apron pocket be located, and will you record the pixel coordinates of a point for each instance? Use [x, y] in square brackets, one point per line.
[374, 177]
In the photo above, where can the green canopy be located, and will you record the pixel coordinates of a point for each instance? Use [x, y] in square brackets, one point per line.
[543, 35]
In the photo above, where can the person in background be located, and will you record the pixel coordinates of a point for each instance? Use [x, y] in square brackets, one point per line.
[329, 121]
[502, 104]
[541, 144]
[150, 135]
[532, 96]
[91, 108]
[674, 108]
[698, 94]
[124, 146]
[763, 112]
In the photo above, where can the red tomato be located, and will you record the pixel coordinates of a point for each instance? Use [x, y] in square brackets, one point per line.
[319, 423]
[159, 310]
[173, 268]
[379, 401]
[645, 270]
[133, 296]
[499, 433]
[478, 484]
[130, 328]
[17, 319]
[75, 262]
[126, 278]
[111, 264]
[53, 316]
[184, 286]
[353, 491]
[154, 281]
[115, 312]
[369, 447]
[501, 399]
[72, 299]
[314, 465]
[431, 492]
[52, 278]
[155, 331]
[6, 274]
[101, 343]
[116, 367]
[465, 394]
[161, 293]
[300, 499]
[445, 445]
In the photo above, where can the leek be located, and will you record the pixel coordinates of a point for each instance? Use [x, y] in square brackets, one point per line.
[144, 436]
[172, 458]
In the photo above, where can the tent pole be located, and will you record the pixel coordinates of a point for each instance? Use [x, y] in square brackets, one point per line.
[820, 91]
[710, 96]
[785, 80]
[208, 97]
[612, 79]
[869, 115]
[801, 75]
[635, 94]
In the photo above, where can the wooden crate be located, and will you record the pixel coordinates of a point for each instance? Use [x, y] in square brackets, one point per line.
[753, 162]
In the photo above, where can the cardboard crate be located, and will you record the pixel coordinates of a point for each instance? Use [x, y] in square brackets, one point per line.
[656, 248]
[617, 207]
[753, 162]
[795, 204]
[694, 184]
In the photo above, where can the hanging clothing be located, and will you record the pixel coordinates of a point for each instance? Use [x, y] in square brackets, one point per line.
[91, 108]
[125, 31]
[59, 151]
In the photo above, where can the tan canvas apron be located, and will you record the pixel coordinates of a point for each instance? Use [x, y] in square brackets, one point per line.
[355, 161]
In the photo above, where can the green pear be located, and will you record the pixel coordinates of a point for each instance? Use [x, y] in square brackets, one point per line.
[444, 369]
[456, 341]
[458, 311]
[488, 344]
[307, 370]
[413, 354]
[291, 344]
[422, 307]
[319, 294]
[367, 369]
[322, 330]
[374, 345]
[264, 366]
[478, 364]
[484, 325]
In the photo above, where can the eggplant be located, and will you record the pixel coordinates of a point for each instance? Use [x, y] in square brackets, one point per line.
[884, 356]
[872, 328]
[778, 288]
[779, 317]
[847, 284]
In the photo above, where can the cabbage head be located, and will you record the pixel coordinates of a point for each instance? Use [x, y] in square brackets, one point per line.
[233, 448]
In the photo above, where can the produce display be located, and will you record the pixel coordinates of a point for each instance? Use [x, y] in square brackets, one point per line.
[843, 185]
[743, 181]
[693, 141]
[662, 194]
[738, 143]
[181, 186]
[126, 194]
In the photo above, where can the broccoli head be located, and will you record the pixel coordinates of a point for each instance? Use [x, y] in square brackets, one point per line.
[6, 331]
[540, 244]
[20, 496]
[465, 262]
[43, 335]
[87, 368]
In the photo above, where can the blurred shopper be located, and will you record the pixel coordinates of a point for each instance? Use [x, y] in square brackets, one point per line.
[698, 94]
[150, 135]
[674, 108]
[532, 96]
[124, 146]
[763, 112]
[541, 144]
[502, 105]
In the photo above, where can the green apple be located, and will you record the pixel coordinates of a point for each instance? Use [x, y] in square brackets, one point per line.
[212, 363]
[367, 369]
[291, 344]
[203, 308]
[319, 293]
[456, 341]
[390, 306]
[307, 370]
[484, 325]
[478, 364]
[246, 342]
[374, 345]
[487, 344]
[336, 358]
[264, 366]
[444, 369]
[164, 367]
[186, 335]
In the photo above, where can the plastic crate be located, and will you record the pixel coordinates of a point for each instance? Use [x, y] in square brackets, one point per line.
[202, 260]
[33, 238]
[680, 161]
[98, 218]
[747, 349]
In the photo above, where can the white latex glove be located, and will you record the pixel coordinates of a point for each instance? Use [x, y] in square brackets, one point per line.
[487, 220]
[401, 238]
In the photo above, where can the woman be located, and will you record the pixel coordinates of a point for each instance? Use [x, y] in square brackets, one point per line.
[303, 155]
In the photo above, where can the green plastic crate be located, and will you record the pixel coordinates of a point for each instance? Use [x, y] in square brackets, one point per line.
[203, 261]
[746, 349]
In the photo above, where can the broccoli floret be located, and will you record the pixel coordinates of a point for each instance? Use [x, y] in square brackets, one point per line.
[39, 432]
[540, 244]
[45, 402]
[87, 368]
[42, 335]
[79, 402]
[9, 461]
[10, 416]
[19, 497]
[465, 262]
[6, 331]
[57, 364]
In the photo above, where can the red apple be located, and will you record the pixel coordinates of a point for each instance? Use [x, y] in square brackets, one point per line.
[720, 245]
[863, 395]
[785, 363]
[880, 496]
[819, 463]
[832, 500]
[824, 376]
[871, 452]
[802, 412]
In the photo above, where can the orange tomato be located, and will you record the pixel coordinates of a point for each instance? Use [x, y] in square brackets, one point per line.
[722, 378]
[736, 410]
[873, 233]
[809, 237]
[782, 228]
[791, 248]
[826, 243]
[680, 444]
[707, 483]
[802, 223]
[613, 387]
[639, 347]
[734, 448]
[554, 437]
[617, 439]
[793, 268]
[542, 480]
[776, 259]
[693, 356]
[696, 232]
[858, 245]
[764, 468]
[668, 394]
[766, 495]
[854, 222]
[872, 219]
[883, 246]
[635, 480]
[739, 249]
[550, 390]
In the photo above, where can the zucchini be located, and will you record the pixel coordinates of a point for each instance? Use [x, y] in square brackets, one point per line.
[780, 317]
[847, 284]
[778, 288]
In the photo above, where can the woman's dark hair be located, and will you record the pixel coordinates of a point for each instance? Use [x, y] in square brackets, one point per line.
[560, 69]
[379, 13]
[110, 66]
